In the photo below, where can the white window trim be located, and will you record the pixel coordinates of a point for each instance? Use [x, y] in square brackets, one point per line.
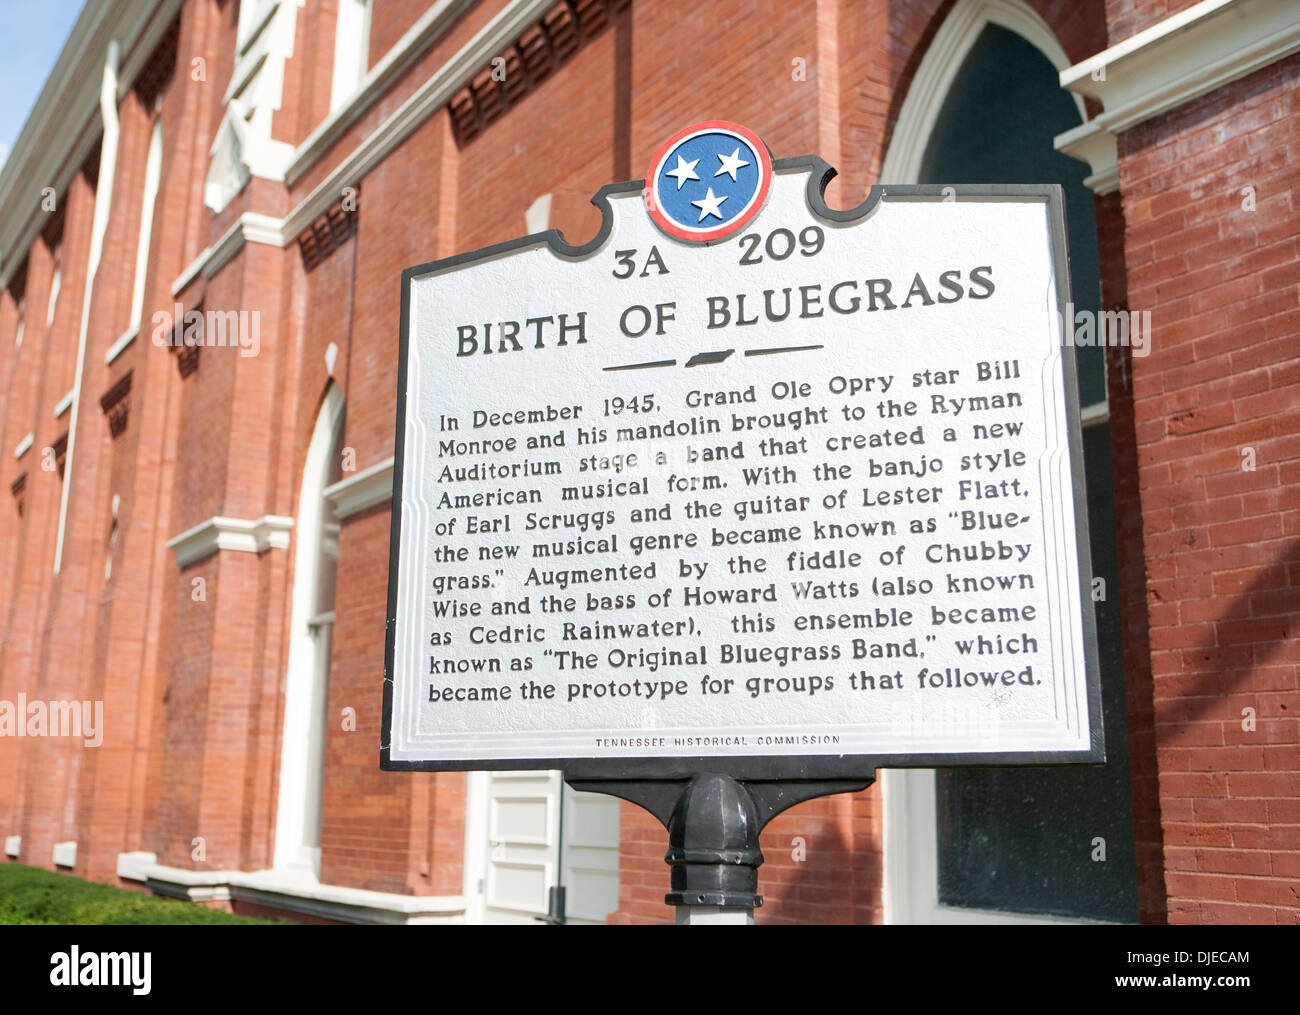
[298, 780]
[56, 285]
[427, 100]
[250, 227]
[121, 344]
[254, 15]
[99, 225]
[351, 51]
[911, 859]
[1094, 415]
[152, 174]
[321, 619]
[938, 70]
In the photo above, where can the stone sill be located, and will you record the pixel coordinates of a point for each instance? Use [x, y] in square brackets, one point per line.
[293, 892]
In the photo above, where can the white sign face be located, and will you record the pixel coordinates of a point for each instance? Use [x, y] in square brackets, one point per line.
[810, 489]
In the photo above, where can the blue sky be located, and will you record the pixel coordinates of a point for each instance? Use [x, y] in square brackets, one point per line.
[33, 35]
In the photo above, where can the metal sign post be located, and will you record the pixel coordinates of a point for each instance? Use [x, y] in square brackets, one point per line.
[713, 823]
[742, 500]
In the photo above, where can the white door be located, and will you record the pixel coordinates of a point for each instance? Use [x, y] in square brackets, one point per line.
[541, 837]
[589, 856]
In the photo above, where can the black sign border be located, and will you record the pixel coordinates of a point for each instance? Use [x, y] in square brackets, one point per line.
[771, 767]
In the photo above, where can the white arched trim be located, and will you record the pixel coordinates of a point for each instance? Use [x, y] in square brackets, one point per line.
[152, 175]
[303, 734]
[939, 68]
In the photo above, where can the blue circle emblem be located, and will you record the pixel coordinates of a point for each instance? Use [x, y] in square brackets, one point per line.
[708, 181]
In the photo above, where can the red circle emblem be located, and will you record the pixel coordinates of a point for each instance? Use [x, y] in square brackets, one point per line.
[708, 181]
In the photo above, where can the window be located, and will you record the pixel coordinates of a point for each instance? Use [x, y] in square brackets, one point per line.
[302, 753]
[351, 50]
[1022, 840]
[18, 293]
[56, 283]
[153, 170]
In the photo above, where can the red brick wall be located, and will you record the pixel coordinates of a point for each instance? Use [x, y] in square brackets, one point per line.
[305, 100]
[1128, 17]
[446, 46]
[822, 863]
[877, 52]
[138, 466]
[382, 830]
[1130, 554]
[1221, 544]
[47, 637]
[45, 766]
[390, 20]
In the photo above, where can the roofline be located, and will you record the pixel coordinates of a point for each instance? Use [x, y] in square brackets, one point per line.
[64, 123]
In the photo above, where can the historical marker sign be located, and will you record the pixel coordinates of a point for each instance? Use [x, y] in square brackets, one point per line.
[744, 478]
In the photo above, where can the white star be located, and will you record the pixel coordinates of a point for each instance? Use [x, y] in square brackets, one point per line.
[730, 163]
[684, 171]
[709, 205]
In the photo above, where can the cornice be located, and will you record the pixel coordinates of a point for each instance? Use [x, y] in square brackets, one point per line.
[1184, 57]
[408, 117]
[250, 227]
[409, 48]
[64, 123]
[1093, 144]
[220, 533]
[370, 486]
[152, 19]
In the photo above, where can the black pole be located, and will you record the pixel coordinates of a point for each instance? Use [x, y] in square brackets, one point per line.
[713, 852]
[713, 823]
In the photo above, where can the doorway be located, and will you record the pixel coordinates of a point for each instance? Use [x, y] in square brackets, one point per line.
[545, 853]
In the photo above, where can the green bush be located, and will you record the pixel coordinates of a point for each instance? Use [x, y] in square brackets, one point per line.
[29, 895]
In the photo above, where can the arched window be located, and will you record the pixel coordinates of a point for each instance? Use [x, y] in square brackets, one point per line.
[316, 554]
[351, 50]
[1018, 840]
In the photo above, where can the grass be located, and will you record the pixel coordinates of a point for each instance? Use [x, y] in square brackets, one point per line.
[29, 895]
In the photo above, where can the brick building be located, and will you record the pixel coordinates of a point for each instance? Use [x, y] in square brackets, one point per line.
[197, 531]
